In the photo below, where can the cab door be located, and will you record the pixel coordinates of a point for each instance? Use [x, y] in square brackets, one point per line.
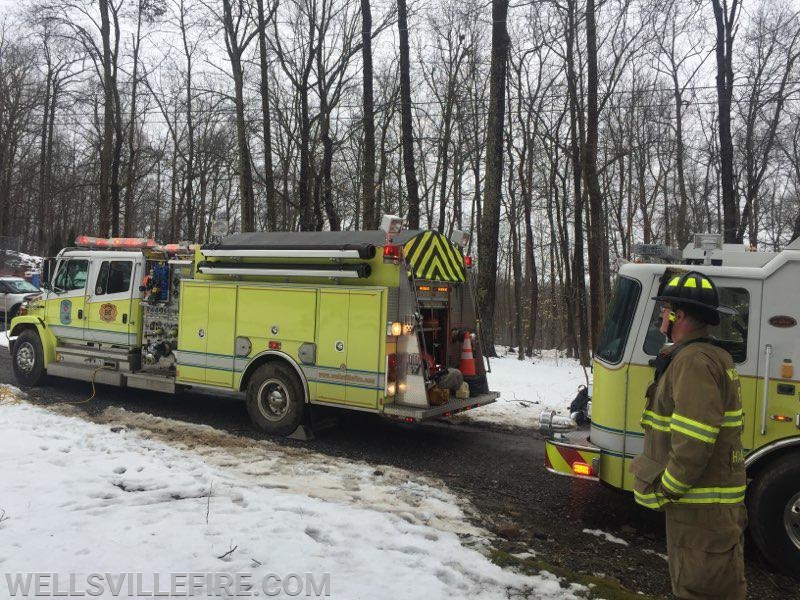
[65, 312]
[111, 304]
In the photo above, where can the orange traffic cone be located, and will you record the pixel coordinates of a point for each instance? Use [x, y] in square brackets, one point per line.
[467, 364]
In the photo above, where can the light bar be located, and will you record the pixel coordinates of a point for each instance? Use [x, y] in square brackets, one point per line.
[208, 269]
[174, 248]
[283, 253]
[85, 241]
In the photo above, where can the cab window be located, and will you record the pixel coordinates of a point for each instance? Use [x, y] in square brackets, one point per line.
[730, 334]
[72, 275]
[114, 277]
[618, 320]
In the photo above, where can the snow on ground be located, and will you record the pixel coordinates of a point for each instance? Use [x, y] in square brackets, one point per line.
[135, 493]
[606, 536]
[527, 387]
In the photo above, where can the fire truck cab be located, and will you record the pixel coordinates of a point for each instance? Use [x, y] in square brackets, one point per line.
[764, 341]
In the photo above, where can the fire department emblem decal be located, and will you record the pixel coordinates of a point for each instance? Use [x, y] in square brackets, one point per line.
[65, 314]
[108, 312]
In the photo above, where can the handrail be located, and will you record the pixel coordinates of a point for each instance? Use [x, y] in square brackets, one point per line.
[765, 398]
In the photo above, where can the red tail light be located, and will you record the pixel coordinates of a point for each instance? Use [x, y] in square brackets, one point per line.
[468, 261]
[391, 252]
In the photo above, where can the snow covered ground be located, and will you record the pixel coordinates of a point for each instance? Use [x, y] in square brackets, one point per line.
[527, 387]
[132, 493]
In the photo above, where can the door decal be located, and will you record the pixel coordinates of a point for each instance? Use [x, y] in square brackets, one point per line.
[65, 313]
[108, 312]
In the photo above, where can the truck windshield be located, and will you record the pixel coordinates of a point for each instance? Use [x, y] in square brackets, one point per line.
[618, 320]
[20, 286]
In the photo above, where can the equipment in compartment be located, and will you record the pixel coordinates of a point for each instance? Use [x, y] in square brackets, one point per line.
[434, 338]
[160, 310]
[158, 287]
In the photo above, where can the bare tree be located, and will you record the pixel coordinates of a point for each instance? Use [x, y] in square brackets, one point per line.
[773, 51]
[412, 186]
[238, 35]
[266, 117]
[488, 231]
[368, 119]
[726, 16]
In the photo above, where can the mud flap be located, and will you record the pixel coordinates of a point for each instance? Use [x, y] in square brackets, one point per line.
[572, 459]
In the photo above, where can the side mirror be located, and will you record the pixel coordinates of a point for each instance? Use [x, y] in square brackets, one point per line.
[48, 264]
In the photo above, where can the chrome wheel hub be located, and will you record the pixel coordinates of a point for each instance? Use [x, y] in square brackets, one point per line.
[25, 357]
[791, 519]
[273, 400]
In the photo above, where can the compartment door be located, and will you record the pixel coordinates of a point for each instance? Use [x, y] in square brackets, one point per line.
[366, 341]
[219, 335]
[192, 335]
[332, 345]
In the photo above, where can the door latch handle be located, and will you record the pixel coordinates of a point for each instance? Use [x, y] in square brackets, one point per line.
[124, 318]
[80, 313]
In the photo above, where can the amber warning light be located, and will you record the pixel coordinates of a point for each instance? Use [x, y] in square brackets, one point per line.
[580, 468]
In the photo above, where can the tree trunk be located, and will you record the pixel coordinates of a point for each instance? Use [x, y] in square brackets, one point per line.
[726, 18]
[107, 143]
[592, 181]
[577, 295]
[40, 237]
[130, 179]
[269, 174]
[412, 186]
[489, 228]
[245, 165]
[368, 173]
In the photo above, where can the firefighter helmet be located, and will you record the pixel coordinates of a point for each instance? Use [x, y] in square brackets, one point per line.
[696, 293]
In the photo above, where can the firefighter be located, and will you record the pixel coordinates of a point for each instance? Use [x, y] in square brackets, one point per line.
[692, 466]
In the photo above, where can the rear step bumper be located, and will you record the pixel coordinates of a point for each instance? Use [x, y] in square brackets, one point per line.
[573, 460]
[399, 411]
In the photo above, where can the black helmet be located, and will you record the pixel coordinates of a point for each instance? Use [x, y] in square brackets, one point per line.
[694, 291]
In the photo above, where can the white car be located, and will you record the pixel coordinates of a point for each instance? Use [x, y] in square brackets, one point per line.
[13, 292]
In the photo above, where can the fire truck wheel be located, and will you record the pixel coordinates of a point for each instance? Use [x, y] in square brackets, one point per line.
[774, 513]
[275, 399]
[28, 358]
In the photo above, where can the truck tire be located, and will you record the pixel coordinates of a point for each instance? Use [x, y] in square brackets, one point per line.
[275, 399]
[28, 358]
[774, 513]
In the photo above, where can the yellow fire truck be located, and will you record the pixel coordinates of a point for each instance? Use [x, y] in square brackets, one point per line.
[375, 321]
[764, 341]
